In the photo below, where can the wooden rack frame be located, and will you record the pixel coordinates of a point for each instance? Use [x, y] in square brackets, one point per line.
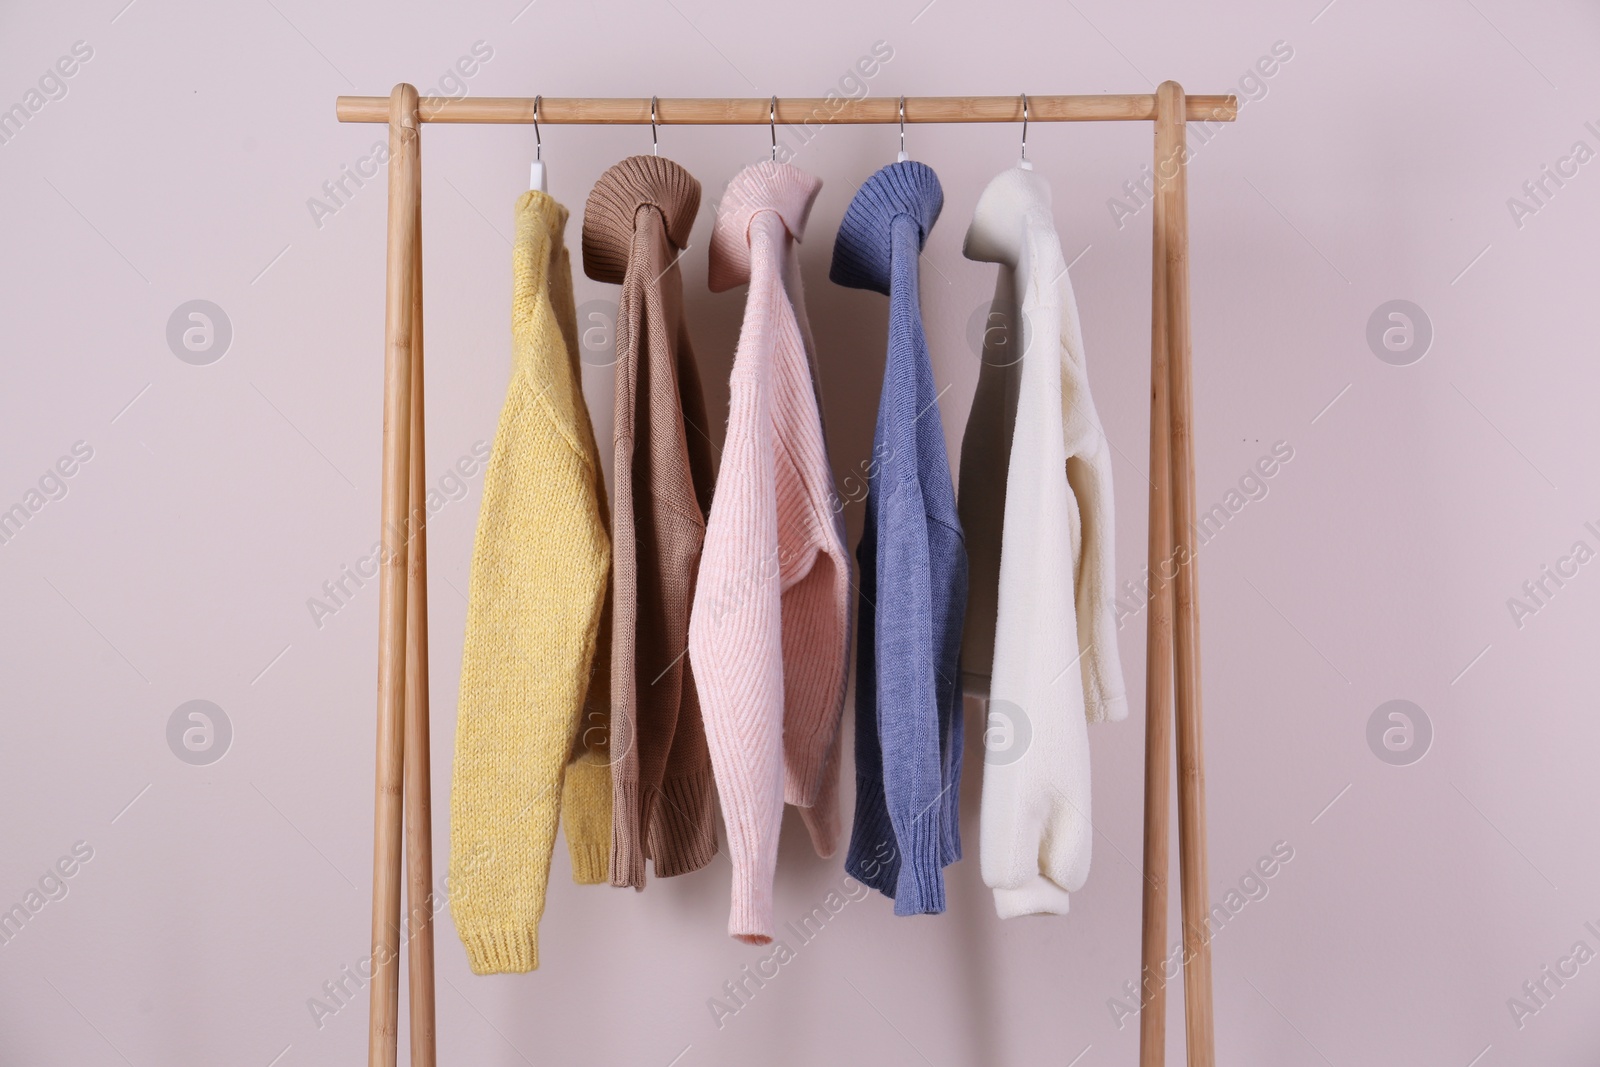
[402, 802]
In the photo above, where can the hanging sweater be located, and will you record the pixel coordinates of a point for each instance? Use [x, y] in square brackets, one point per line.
[635, 226]
[538, 582]
[769, 634]
[1044, 582]
[913, 570]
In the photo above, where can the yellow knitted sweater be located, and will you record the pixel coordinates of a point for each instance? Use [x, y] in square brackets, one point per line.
[527, 746]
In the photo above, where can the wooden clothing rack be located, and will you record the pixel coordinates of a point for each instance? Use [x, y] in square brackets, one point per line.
[1172, 667]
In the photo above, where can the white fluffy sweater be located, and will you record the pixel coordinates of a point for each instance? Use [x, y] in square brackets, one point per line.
[1041, 637]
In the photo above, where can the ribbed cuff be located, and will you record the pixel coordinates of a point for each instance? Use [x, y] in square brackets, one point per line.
[750, 913]
[950, 799]
[627, 845]
[590, 862]
[874, 854]
[683, 835]
[920, 890]
[1109, 709]
[501, 949]
[586, 819]
[1037, 896]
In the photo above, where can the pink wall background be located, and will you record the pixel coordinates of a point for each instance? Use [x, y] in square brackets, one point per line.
[1374, 164]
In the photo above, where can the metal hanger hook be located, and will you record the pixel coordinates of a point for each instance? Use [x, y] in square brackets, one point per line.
[902, 125]
[772, 120]
[655, 146]
[1024, 127]
[538, 145]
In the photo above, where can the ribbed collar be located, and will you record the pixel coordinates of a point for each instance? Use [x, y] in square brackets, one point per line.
[614, 202]
[1011, 203]
[781, 188]
[861, 253]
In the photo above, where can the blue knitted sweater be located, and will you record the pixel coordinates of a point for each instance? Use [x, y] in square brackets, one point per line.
[913, 570]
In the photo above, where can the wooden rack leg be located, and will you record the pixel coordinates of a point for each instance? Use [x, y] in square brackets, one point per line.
[399, 332]
[1157, 674]
[418, 787]
[1171, 184]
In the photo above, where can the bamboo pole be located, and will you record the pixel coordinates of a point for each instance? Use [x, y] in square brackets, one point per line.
[1157, 668]
[418, 787]
[1171, 185]
[383, 1026]
[752, 111]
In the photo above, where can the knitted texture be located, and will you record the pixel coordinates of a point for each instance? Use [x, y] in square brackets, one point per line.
[1042, 607]
[635, 226]
[536, 593]
[913, 570]
[769, 634]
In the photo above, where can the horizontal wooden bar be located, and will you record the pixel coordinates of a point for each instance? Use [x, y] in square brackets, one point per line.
[753, 111]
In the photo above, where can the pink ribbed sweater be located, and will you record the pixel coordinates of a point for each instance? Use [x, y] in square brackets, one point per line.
[769, 632]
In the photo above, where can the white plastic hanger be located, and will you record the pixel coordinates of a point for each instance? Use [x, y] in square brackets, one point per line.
[536, 175]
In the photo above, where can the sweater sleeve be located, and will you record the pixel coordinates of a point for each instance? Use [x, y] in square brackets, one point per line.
[913, 569]
[627, 864]
[1035, 829]
[985, 455]
[637, 219]
[908, 699]
[536, 591]
[586, 792]
[815, 576]
[734, 640]
[586, 813]
[1094, 559]
[873, 855]
[669, 797]
[683, 811]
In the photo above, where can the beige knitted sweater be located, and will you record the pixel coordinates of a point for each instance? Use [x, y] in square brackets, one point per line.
[635, 226]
